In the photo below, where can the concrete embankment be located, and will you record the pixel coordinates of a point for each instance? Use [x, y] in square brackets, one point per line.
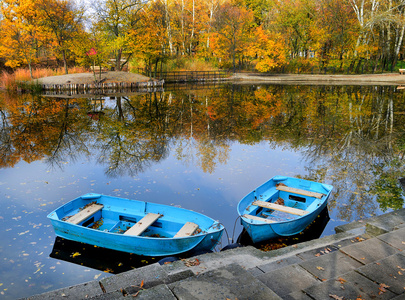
[363, 260]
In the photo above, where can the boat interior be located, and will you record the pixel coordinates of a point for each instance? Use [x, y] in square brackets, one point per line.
[94, 216]
[283, 203]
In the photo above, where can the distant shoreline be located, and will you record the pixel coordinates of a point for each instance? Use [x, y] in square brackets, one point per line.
[87, 78]
[310, 79]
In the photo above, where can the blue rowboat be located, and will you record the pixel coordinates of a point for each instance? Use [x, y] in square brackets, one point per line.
[283, 206]
[133, 226]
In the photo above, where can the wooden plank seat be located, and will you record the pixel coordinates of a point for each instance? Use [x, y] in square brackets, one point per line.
[299, 191]
[188, 229]
[258, 219]
[85, 213]
[142, 224]
[286, 209]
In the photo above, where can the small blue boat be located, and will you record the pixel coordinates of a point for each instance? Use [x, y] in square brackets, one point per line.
[133, 226]
[283, 206]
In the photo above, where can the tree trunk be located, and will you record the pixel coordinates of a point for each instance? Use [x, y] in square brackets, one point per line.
[65, 62]
[168, 28]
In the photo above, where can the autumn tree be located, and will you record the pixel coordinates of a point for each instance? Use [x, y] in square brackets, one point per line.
[294, 20]
[152, 31]
[20, 33]
[63, 21]
[336, 23]
[269, 50]
[91, 49]
[232, 30]
[117, 18]
[381, 29]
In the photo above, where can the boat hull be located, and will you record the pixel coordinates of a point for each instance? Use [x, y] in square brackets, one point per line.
[260, 231]
[114, 208]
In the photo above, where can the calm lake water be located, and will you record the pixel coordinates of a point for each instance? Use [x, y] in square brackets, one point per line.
[197, 148]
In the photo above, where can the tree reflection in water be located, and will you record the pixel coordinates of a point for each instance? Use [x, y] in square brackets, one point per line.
[351, 136]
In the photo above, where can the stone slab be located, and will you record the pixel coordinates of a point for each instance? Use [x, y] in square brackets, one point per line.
[330, 266]
[255, 271]
[231, 282]
[348, 286]
[369, 250]
[160, 292]
[299, 295]
[351, 227]
[386, 222]
[81, 291]
[131, 281]
[287, 280]
[246, 257]
[389, 271]
[177, 276]
[317, 252]
[281, 263]
[348, 242]
[394, 238]
[399, 297]
[117, 295]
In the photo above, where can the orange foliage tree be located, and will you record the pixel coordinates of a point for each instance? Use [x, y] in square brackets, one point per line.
[20, 33]
[269, 50]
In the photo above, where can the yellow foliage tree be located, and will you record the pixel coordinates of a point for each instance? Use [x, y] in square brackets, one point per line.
[269, 49]
[232, 30]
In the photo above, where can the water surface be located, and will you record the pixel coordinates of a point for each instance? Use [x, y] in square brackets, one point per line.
[201, 149]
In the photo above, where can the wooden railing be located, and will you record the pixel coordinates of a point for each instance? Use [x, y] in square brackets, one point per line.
[187, 76]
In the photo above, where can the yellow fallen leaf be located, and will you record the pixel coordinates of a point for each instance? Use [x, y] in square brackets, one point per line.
[320, 268]
[76, 254]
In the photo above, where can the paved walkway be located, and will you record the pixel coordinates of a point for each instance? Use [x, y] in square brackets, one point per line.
[364, 260]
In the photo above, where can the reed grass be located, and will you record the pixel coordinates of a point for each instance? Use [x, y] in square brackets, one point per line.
[22, 78]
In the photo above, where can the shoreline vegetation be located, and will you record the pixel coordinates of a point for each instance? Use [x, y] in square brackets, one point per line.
[80, 78]
[282, 37]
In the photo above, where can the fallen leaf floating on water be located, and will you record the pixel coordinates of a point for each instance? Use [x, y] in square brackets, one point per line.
[75, 254]
[320, 268]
